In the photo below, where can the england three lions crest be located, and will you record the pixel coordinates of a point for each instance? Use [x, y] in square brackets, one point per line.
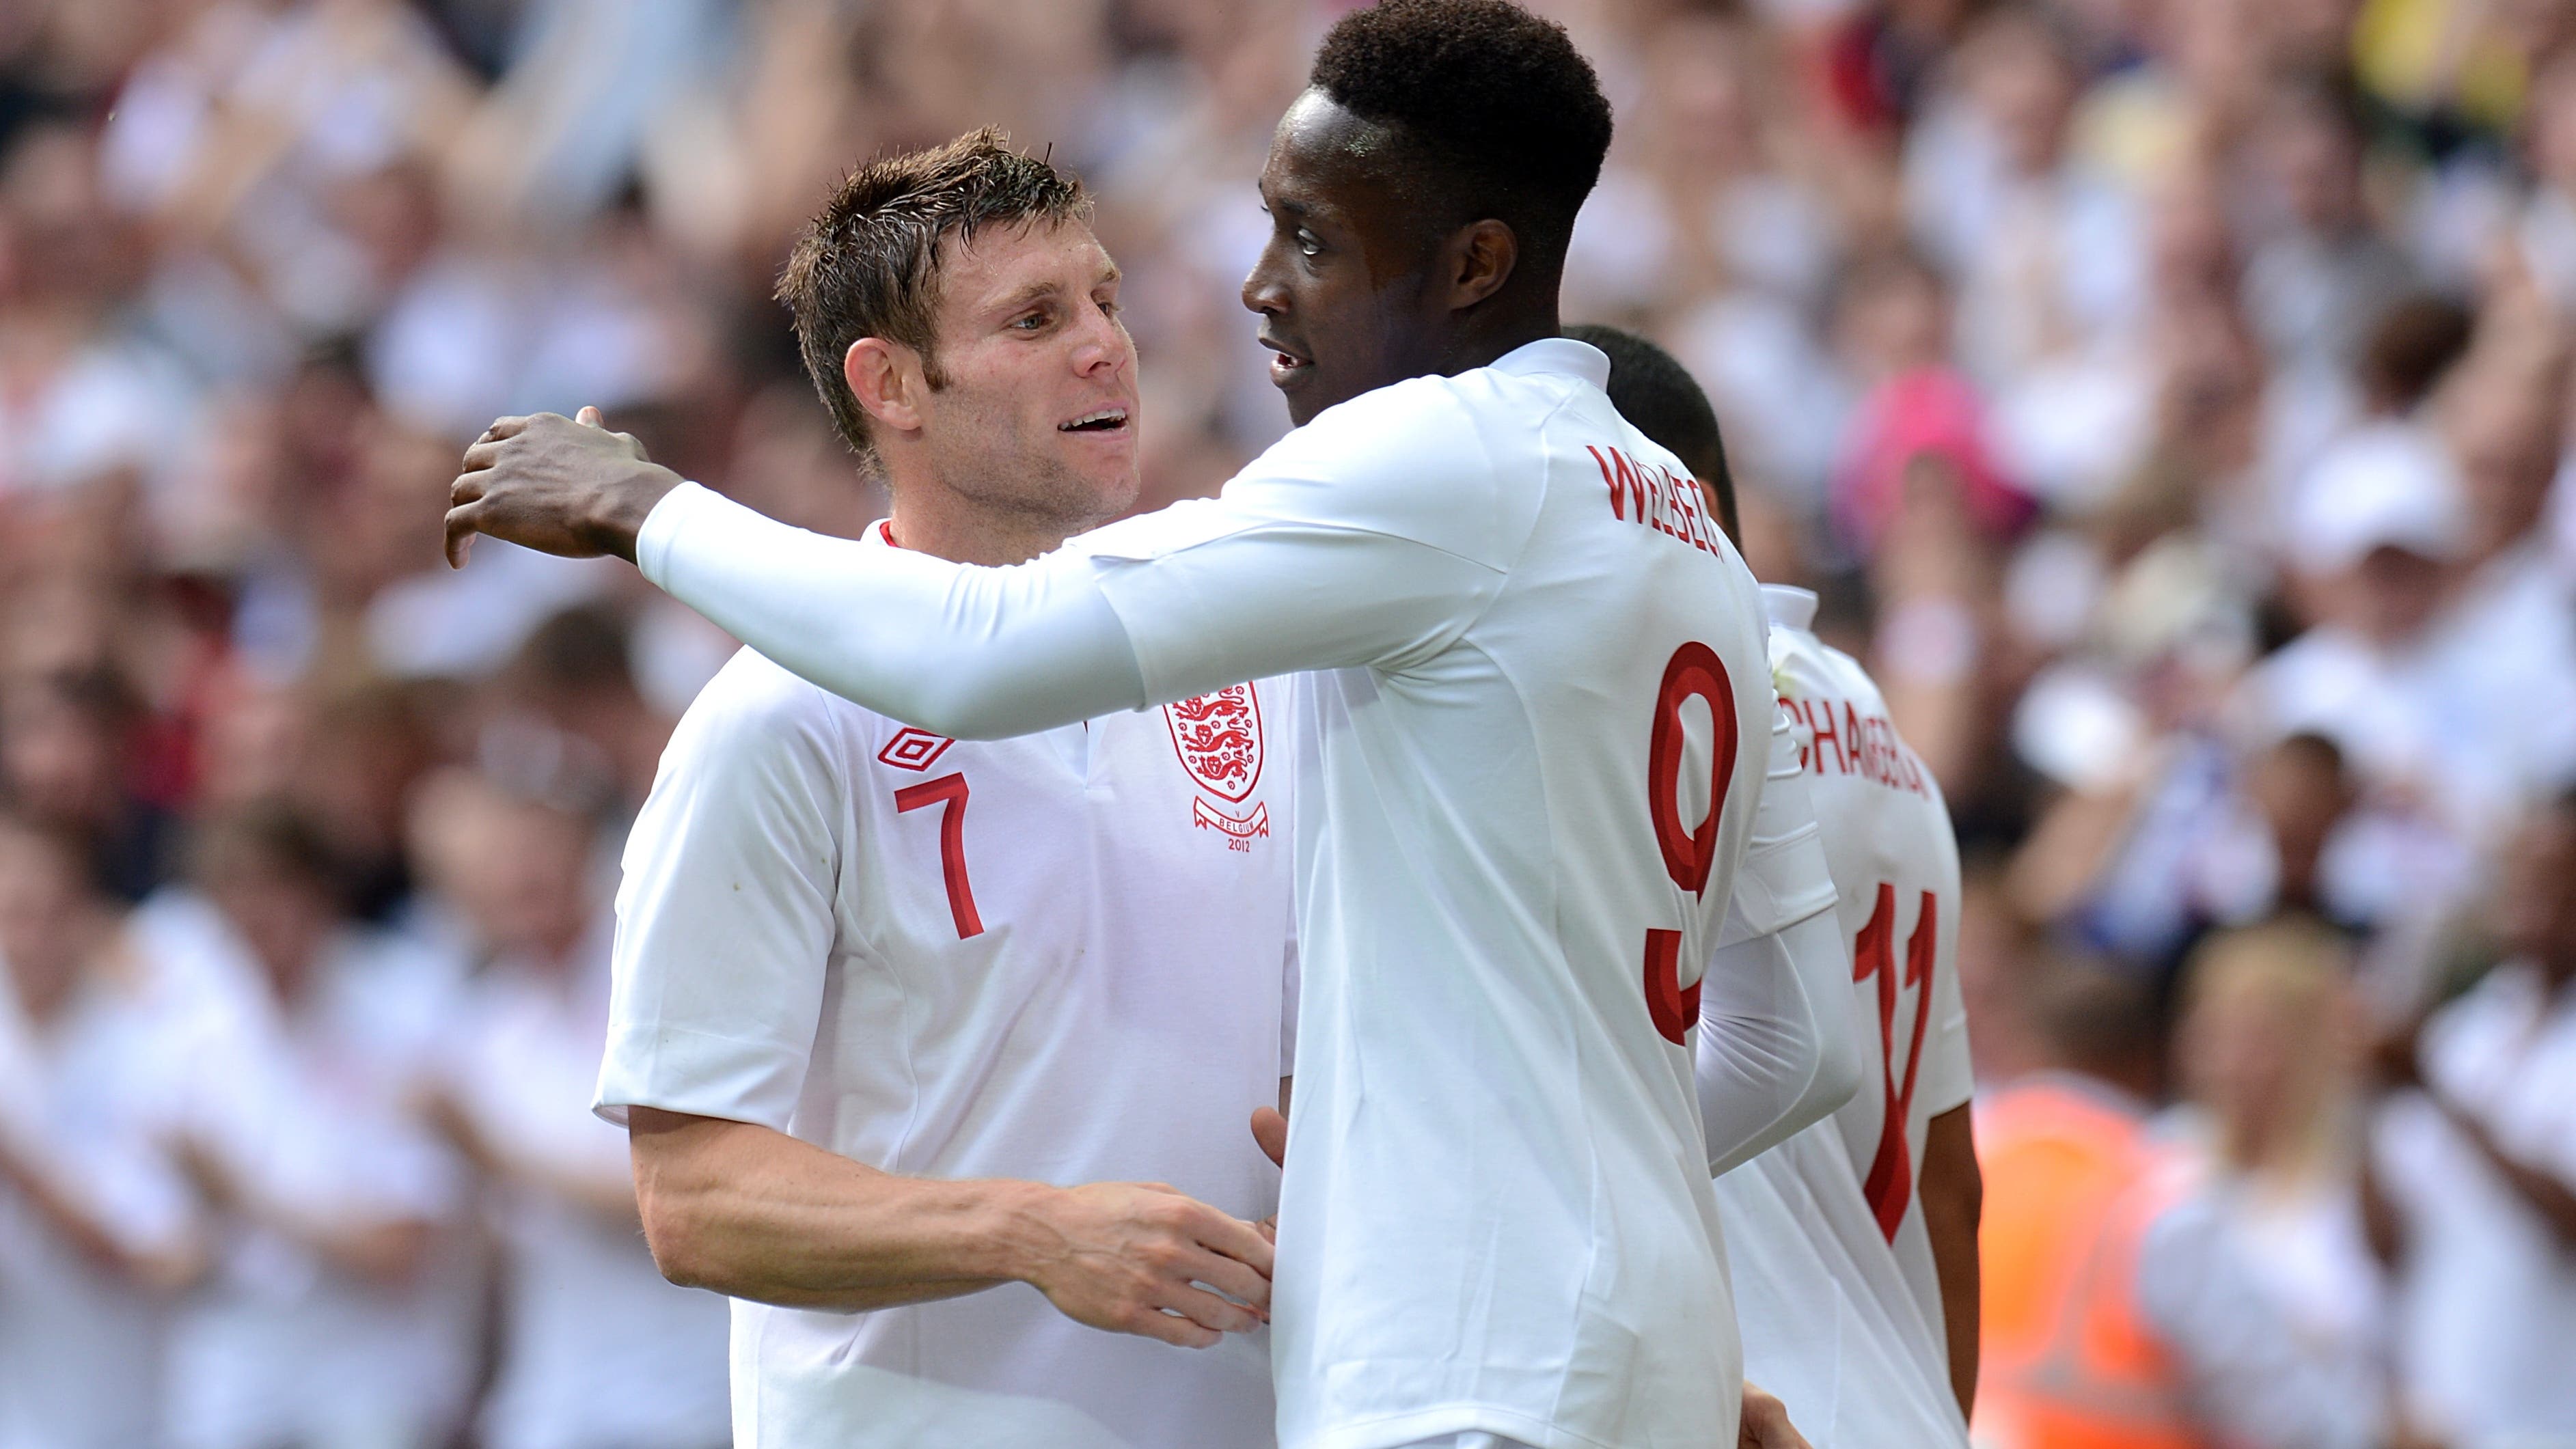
[1218, 737]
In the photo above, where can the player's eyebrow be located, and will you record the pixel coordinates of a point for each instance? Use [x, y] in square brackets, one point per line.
[1024, 296]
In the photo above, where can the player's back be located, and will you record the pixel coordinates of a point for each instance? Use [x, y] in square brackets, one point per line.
[1836, 1286]
[1497, 1214]
[1895, 863]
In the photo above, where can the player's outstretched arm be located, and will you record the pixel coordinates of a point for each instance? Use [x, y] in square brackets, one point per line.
[1282, 575]
[1778, 1048]
[753, 1213]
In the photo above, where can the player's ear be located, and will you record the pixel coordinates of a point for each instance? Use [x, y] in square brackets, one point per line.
[1480, 257]
[886, 377]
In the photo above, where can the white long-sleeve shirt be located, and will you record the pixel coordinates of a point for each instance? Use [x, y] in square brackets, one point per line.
[1540, 706]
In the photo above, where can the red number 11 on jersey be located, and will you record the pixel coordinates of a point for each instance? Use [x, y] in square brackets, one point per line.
[1890, 1184]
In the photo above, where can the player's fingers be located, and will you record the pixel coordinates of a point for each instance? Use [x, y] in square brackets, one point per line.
[1173, 1329]
[460, 533]
[506, 428]
[465, 488]
[1234, 1238]
[1270, 1129]
[1232, 1278]
[589, 417]
[1210, 1311]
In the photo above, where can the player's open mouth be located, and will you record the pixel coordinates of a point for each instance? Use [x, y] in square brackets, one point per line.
[1107, 420]
[1285, 366]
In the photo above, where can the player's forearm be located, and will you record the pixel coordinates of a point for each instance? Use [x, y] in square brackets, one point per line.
[753, 1213]
[1771, 1055]
[972, 653]
[1953, 1191]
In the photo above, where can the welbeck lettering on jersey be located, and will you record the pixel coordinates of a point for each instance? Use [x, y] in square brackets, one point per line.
[1656, 498]
[1853, 743]
[1218, 737]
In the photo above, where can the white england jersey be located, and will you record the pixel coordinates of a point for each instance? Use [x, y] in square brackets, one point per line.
[1061, 958]
[1887, 836]
[1541, 725]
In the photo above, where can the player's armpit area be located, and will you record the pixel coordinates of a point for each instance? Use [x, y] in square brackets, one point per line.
[1953, 1191]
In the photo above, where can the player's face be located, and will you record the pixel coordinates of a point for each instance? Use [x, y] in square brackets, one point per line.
[1343, 284]
[1039, 408]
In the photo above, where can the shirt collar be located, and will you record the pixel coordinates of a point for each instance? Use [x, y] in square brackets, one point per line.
[1557, 355]
[1789, 608]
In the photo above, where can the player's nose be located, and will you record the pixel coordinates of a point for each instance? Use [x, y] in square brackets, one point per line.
[1104, 346]
[1265, 287]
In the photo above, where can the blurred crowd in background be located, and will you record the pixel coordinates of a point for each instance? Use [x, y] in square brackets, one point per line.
[2168, 398]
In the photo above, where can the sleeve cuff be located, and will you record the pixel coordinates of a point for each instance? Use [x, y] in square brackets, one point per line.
[662, 527]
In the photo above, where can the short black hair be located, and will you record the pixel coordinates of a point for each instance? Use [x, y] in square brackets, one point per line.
[1653, 391]
[1510, 113]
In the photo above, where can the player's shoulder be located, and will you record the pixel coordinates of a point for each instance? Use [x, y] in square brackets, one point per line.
[1805, 667]
[1411, 460]
[755, 710]
[1421, 433]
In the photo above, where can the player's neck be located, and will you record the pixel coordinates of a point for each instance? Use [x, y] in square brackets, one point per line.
[1503, 325]
[927, 518]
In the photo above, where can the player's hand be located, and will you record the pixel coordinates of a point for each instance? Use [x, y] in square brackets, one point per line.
[1130, 1256]
[556, 485]
[1765, 1424]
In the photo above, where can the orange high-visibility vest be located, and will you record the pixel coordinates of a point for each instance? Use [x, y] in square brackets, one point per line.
[2066, 1359]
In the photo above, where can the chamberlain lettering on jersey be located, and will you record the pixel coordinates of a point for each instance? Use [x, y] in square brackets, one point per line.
[1521, 839]
[1841, 738]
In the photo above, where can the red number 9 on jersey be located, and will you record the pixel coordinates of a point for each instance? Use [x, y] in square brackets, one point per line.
[1694, 671]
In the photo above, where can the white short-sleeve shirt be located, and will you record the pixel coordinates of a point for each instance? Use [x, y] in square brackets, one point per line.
[81, 1346]
[309, 1104]
[597, 1350]
[2486, 1294]
[1061, 957]
[1835, 1282]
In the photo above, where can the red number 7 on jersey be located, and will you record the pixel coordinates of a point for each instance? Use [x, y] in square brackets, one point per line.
[948, 790]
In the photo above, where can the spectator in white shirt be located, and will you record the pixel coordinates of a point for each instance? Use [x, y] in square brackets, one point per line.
[96, 1223]
[344, 1302]
[597, 1350]
[2261, 1277]
[2479, 1162]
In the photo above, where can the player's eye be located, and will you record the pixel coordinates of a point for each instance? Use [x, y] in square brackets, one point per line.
[1030, 321]
[1109, 307]
[1309, 244]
